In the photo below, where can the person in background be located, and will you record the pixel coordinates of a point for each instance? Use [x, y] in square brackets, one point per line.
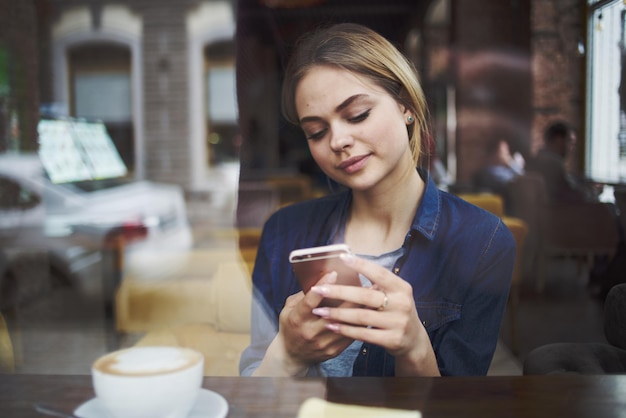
[563, 188]
[550, 161]
[501, 169]
[435, 270]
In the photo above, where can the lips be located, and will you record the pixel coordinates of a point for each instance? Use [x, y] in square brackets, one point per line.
[353, 164]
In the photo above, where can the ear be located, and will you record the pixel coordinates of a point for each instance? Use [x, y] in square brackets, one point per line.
[409, 119]
[407, 115]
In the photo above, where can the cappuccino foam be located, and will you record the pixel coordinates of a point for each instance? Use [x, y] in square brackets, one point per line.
[141, 361]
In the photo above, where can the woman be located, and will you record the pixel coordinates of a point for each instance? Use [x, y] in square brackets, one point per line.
[436, 269]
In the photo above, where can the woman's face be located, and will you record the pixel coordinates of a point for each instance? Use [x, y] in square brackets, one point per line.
[356, 131]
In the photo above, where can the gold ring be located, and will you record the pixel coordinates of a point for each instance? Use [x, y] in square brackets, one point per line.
[384, 304]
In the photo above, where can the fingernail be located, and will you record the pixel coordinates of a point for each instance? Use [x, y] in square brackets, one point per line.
[321, 290]
[347, 258]
[323, 312]
[331, 277]
[332, 327]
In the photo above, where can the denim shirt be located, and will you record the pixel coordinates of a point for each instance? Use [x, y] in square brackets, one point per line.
[458, 258]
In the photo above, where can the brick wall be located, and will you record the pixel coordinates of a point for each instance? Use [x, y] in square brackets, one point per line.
[558, 67]
[165, 77]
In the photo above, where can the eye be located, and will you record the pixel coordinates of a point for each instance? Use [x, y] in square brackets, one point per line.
[360, 117]
[314, 136]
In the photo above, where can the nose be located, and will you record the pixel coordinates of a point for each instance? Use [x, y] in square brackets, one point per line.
[341, 138]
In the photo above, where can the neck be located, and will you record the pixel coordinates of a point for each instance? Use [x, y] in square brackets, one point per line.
[379, 219]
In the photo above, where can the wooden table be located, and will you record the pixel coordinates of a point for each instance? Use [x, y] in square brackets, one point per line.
[528, 396]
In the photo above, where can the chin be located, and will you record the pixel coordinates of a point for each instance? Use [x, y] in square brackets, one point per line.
[361, 185]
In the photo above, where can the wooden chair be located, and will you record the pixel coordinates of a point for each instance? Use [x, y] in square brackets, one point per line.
[577, 230]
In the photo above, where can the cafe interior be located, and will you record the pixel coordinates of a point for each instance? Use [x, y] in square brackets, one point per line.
[142, 149]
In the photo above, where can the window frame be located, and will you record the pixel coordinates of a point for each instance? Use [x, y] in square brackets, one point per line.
[605, 161]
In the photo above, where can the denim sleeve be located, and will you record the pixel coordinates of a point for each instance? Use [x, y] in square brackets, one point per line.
[263, 321]
[467, 345]
[263, 331]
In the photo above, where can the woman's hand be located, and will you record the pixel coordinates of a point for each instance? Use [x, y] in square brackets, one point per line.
[387, 317]
[303, 338]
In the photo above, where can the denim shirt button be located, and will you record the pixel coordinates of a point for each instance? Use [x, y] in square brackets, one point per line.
[396, 270]
[364, 351]
[425, 323]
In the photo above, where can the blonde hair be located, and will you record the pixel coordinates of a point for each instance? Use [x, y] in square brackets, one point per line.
[362, 51]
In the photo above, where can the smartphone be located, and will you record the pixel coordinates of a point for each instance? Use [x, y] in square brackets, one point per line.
[310, 264]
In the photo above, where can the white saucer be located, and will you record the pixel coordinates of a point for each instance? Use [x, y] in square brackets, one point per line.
[208, 405]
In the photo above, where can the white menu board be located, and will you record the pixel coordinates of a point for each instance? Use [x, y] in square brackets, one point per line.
[78, 150]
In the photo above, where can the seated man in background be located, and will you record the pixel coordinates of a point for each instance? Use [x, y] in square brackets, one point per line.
[564, 188]
[502, 167]
[559, 139]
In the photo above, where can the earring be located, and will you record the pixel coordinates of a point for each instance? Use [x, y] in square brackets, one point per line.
[410, 119]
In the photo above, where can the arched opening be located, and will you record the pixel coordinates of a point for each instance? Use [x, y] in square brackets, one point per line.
[106, 58]
[100, 80]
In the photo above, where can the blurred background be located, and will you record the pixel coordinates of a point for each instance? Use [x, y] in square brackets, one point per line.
[142, 148]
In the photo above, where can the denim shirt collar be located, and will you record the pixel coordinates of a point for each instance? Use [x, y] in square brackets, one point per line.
[426, 218]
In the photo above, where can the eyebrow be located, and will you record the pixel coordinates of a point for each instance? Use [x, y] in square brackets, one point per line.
[338, 109]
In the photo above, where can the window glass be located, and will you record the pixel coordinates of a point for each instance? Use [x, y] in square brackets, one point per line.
[103, 96]
[606, 148]
[221, 92]
[221, 105]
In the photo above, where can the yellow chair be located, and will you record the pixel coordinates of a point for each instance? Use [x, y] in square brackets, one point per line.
[208, 281]
[488, 201]
[519, 229]
[210, 314]
[203, 304]
[7, 359]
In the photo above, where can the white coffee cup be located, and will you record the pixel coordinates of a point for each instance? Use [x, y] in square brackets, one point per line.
[150, 382]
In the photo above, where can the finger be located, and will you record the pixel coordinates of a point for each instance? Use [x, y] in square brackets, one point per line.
[313, 299]
[328, 344]
[359, 317]
[380, 277]
[381, 337]
[294, 299]
[374, 272]
[357, 296]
